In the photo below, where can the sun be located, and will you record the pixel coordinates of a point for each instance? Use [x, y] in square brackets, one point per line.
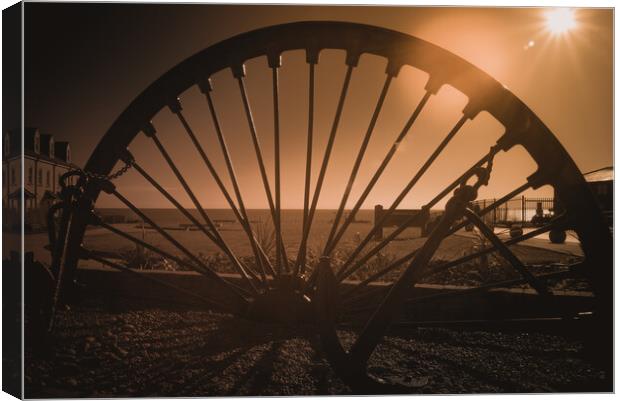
[560, 20]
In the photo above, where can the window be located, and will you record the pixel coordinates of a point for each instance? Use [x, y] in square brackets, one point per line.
[40, 177]
[47, 179]
[30, 175]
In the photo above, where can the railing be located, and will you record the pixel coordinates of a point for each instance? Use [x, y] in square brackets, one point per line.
[396, 218]
[522, 210]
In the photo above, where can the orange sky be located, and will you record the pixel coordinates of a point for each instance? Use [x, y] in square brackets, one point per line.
[566, 80]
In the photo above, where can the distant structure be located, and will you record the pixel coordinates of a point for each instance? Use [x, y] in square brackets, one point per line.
[601, 182]
[45, 161]
[400, 216]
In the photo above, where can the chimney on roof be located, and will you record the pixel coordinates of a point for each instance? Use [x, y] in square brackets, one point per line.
[32, 139]
[62, 151]
[47, 145]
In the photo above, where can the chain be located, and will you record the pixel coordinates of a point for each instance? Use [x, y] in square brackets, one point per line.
[69, 193]
[102, 177]
[482, 173]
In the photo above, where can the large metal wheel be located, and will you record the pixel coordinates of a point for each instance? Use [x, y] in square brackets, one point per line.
[290, 285]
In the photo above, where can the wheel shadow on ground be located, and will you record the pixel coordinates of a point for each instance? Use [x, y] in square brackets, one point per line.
[174, 353]
[154, 353]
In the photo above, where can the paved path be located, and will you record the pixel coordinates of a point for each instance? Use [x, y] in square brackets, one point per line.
[571, 246]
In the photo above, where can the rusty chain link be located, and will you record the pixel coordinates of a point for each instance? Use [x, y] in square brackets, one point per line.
[102, 177]
[484, 173]
[69, 193]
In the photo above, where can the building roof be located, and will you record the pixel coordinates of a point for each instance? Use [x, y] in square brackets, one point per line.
[602, 174]
[48, 159]
[62, 151]
[15, 142]
[30, 136]
[45, 148]
[37, 146]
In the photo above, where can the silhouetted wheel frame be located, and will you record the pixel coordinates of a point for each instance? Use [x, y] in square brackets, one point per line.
[522, 127]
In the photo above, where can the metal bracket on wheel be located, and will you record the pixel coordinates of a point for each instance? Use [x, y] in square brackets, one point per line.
[351, 365]
[326, 302]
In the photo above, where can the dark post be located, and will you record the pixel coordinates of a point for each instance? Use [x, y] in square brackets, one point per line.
[378, 230]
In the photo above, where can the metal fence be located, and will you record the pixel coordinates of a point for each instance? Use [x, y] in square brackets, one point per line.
[517, 210]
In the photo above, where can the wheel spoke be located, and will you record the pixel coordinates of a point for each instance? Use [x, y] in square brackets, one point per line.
[312, 60]
[206, 89]
[199, 266]
[494, 205]
[454, 229]
[391, 267]
[323, 170]
[176, 109]
[546, 228]
[384, 163]
[413, 220]
[506, 253]
[274, 63]
[574, 270]
[406, 191]
[448, 265]
[93, 255]
[350, 302]
[217, 238]
[239, 74]
[244, 271]
[358, 162]
[381, 318]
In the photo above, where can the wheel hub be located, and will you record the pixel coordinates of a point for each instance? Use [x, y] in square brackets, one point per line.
[283, 302]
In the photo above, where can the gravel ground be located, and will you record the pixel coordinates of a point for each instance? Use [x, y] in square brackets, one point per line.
[159, 352]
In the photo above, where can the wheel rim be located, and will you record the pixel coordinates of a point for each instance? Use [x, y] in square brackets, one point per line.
[522, 127]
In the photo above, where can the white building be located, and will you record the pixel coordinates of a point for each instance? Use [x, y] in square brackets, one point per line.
[45, 161]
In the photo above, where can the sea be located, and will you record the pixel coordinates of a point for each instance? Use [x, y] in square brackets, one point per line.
[182, 229]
